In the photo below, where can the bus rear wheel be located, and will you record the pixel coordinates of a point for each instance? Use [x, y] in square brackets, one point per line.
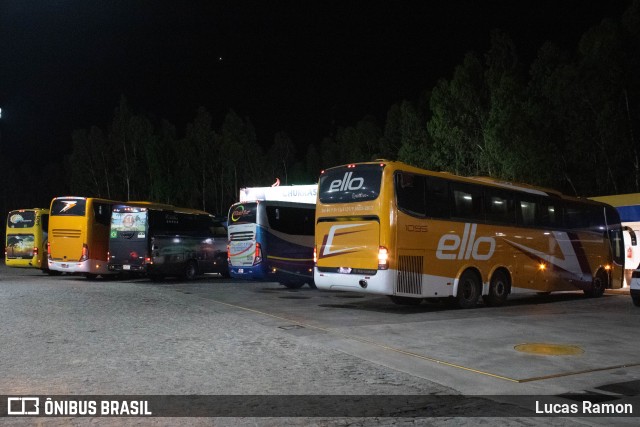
[468, 290]
[598, 285]
[405, 300]
[498, 290]
[190, 270]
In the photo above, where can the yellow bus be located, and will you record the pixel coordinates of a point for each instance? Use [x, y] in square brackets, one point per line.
[26, 238]
[388, 228]
[79, 235]
[628, 206]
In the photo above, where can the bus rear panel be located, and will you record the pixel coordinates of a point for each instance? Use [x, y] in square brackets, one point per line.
[26, 238]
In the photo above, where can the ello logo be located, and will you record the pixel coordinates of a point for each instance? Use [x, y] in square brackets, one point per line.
[347, 183]
[451, 246]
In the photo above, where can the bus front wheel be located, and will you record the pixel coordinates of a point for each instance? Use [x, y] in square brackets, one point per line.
[598, 285]
[190, 270]
[468, 290]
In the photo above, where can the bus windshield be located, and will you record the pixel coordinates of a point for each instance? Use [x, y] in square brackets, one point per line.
[243, 213]
[68, 207]
[350, 184]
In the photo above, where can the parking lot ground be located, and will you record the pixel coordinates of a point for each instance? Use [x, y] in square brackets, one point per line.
[214, 336]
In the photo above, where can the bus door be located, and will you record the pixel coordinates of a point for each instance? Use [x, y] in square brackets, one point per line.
[616, 241]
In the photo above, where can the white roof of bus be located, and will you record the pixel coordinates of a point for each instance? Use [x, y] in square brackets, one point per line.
[283, 193]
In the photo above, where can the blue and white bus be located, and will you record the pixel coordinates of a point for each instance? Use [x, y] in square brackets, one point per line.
[628, 207]
[272, 240]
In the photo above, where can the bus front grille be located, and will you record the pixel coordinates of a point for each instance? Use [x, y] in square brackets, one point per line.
[66, 233]
[409, 275]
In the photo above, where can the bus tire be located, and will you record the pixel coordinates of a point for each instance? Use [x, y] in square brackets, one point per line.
[190, 270]
[598, 285]
[53, 272]
[312, 285]
[90, 276]
[636, 301]
[468, 290]
[405, 300]
[498, 289]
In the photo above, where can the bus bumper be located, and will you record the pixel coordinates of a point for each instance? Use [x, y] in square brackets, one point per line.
[380, 283]
[89, 266]
[247, 273]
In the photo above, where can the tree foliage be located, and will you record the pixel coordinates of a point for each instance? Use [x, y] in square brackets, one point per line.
[570, 120]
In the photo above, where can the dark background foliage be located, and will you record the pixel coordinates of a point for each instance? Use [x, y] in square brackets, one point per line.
[567, 117]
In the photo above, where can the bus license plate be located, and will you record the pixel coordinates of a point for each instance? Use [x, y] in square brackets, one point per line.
[126, 267]
[64, 265]
[344, 270]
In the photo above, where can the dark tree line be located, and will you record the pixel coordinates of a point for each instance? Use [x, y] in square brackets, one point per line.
[569, 121]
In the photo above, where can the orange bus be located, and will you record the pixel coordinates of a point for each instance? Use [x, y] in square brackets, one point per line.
[79, 235]
[26, 238]
[388, 228]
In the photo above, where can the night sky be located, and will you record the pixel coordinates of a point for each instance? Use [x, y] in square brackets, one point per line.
[304, 67]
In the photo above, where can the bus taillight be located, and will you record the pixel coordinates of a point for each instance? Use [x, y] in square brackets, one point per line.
[228, 255]
[315, 255]
[258, 256]
[383, 258]
[35, 251]
[48, 250]
[85, 253]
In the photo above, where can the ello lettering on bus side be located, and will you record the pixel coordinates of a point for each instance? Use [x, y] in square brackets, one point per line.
[347, 183]
[452, 247]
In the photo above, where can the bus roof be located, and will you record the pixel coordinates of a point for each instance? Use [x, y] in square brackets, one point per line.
[162, 207]
[397, 165]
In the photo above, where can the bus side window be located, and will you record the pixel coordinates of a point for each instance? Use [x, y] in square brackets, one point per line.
[410, 191]
[102, 213]
[468, 201]
[548, 214]
[437, 198]
[575, 217]
[500, 207]
[526, 212]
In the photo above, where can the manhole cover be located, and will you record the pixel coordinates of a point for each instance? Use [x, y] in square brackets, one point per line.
[545, 349]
